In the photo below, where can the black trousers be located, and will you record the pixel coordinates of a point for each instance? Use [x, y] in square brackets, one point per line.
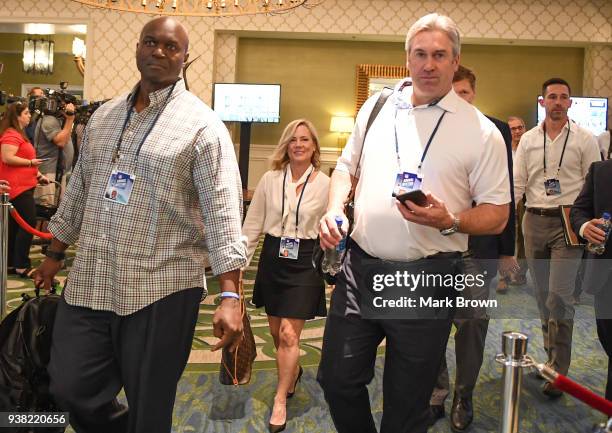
[604, 332]
[20, 241]
[96, 353]
[414, 350]
[471, 326]
[603, 314]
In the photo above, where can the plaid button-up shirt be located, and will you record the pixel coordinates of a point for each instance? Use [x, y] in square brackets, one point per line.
[184, 211]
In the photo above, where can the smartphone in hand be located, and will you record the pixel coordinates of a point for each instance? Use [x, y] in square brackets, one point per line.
[416, 196]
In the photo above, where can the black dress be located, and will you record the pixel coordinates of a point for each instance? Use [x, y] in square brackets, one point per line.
[289, 288]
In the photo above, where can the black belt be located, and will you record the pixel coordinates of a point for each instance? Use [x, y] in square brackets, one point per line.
[550, 212]
[449, 255]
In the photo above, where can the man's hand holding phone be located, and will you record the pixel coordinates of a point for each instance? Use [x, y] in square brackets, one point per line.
[432, 212]
[416, 196]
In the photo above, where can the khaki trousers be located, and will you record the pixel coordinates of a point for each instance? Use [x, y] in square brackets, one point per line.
[553, 267]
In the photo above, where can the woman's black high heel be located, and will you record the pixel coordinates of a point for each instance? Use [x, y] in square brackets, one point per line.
[297, 379]
[273, 428]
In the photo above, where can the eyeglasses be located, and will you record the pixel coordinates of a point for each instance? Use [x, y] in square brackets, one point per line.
[517, 128]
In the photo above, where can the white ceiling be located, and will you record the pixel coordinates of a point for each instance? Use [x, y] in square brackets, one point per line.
[43, 29]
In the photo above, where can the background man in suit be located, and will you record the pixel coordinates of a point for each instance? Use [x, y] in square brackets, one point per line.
[595, 199]
[605, 144]
[472, 326]
[517, 129]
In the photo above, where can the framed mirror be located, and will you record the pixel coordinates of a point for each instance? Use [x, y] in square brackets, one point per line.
[372, 78]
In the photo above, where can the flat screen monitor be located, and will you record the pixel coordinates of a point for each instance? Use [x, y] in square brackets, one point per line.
[257, 103]
[589, 112]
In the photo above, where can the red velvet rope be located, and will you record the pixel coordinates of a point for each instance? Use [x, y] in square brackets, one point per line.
[24, 225]
[581, 393]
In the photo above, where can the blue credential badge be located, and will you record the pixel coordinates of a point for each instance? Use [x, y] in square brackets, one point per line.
[406, 182]
[289, 248]
[552, 187]
[119, 187]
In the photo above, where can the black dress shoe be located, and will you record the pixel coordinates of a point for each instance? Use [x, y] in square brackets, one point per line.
[434, 413]
[273, 428]
[462, 413]
[549, 390]
[297, 379]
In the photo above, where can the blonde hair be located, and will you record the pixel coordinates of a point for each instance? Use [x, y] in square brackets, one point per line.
[280, 156]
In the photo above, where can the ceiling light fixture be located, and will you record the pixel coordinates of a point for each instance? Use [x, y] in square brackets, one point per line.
[201, 8]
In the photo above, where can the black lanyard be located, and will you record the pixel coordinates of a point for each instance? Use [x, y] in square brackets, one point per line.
[562, 152]
[127, 120]
[431, 137]
[297, 210]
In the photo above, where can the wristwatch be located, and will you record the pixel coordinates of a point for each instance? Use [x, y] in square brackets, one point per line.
[452, 229]
[55, 255]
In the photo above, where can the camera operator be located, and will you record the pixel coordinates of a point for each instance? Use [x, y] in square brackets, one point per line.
[53, 142]
[34, 93]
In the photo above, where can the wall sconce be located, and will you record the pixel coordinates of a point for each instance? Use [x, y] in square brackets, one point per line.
[38, 56]
[342, 125]
[79, 50]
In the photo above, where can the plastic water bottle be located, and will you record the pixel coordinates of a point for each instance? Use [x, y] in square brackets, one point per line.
[332, 260]
[606, 227]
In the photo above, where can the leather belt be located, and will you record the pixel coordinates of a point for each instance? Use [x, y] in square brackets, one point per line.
[550, 212]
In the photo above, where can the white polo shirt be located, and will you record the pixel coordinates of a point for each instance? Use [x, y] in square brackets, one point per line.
[466, 162]
[580, 152]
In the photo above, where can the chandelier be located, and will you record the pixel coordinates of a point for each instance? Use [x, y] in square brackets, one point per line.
[200, 8]
[38, 56]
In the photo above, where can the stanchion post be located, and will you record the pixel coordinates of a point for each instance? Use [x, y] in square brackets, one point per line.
[4, 223]
[514, 349]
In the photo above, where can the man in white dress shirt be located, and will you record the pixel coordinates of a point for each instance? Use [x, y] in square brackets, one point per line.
[424, 134]
[551, 163]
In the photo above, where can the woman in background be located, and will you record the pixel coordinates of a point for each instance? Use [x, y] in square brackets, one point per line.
[19, 166]
[287, 205]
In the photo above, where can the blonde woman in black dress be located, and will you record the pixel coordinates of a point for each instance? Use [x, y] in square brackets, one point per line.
[287, 206]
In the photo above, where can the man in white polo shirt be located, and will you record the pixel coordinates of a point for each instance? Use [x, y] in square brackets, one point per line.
[424, 134]
[551, 163]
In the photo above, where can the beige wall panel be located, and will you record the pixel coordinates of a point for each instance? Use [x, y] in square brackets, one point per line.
[113, 35]
[318, 77]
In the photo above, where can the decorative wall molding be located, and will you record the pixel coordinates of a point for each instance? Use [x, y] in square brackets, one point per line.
[112, 36]
[598, 74]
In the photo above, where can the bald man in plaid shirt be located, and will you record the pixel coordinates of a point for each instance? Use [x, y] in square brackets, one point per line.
[154, 198]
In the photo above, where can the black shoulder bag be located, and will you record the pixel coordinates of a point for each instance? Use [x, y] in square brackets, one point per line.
[349, 205]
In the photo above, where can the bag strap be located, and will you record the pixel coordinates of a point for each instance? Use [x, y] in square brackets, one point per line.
[234, 376]
[382, 98]
[37, 133]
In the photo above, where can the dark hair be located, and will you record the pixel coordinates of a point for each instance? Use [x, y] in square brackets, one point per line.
[11, 118]
[464, 73]
[551, 81]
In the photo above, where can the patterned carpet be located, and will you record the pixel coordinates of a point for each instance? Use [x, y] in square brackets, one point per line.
[203, 405]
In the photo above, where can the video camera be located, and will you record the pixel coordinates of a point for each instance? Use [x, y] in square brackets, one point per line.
[53, 103]
[8, 98]
[84, 112]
